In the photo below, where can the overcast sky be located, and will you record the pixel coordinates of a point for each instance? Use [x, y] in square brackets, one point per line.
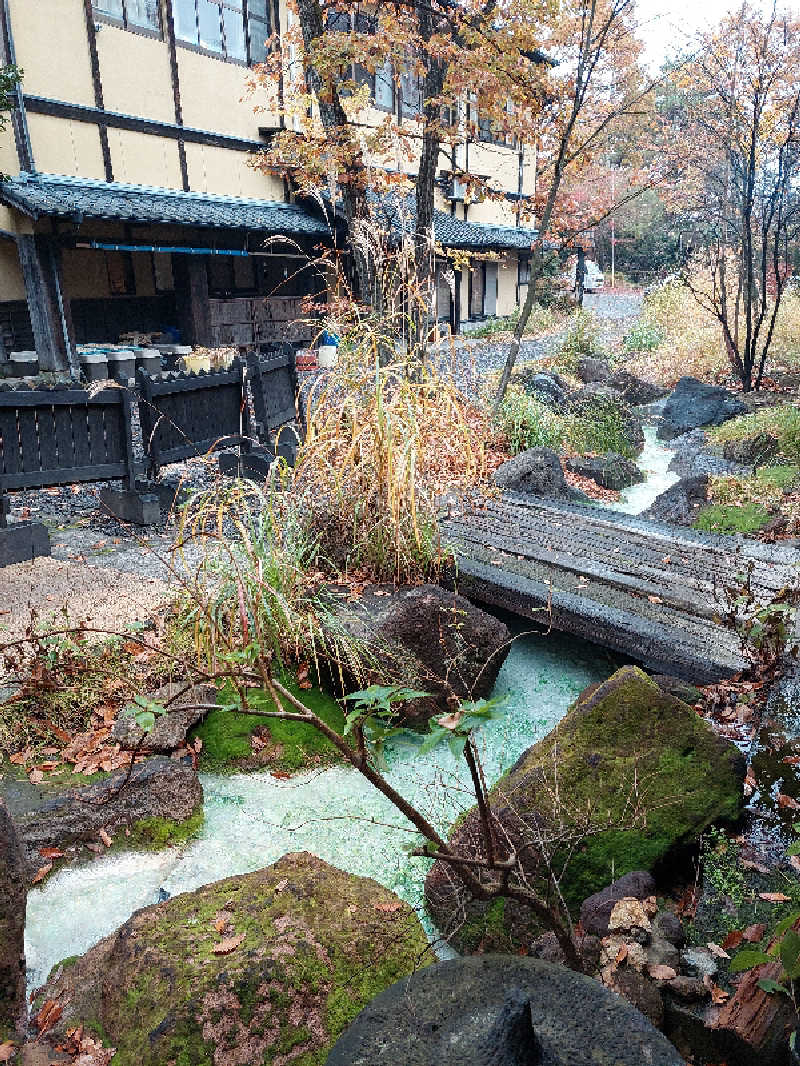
[669, 26]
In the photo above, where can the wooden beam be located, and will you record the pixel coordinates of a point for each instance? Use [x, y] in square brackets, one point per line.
[40, 285]
[191, 295]
[94, 60]
[176, 92]
[43, 105]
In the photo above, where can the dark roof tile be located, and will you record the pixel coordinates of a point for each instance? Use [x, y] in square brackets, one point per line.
[40, 195]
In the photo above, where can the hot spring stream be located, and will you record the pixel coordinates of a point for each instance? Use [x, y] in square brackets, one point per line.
[252, 819]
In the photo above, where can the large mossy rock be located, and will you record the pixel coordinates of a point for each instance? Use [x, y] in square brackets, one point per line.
[268, 967]
[158, 789]
[429, 639]
[628, 776]
[13, 894]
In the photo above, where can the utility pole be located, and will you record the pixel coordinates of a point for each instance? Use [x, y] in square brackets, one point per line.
[613, 228]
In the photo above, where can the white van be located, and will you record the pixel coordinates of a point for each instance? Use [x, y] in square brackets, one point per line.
[593, 280]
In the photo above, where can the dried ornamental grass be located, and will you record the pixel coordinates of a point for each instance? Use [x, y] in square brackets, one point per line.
[382, 446]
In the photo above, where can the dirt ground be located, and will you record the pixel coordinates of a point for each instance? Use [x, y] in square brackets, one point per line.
[103, 596]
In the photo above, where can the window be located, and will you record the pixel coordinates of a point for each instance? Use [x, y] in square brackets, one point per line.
[231, 275]
[133, 14]
[411, 92]
[233, 29]
[383, 93]
[523, 270]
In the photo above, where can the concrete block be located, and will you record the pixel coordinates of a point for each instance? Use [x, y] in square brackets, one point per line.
[142, 509]
[23, 541]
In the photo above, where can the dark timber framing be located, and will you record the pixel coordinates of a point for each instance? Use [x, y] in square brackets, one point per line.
[19, 122]
[97, 83]
[176, 93]
[38, 274]
[41, 105]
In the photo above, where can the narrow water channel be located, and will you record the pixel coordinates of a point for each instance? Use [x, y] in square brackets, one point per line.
[253, 819]
[654, 463]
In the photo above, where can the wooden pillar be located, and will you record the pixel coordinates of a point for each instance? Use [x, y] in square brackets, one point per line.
[191, 295]
[38, 272]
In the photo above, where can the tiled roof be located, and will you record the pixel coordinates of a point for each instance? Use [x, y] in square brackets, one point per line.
[452, 232]
[38, 195]
[399, 211]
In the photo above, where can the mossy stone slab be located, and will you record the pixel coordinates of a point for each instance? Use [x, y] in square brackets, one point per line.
[629, 775]
[267, 967]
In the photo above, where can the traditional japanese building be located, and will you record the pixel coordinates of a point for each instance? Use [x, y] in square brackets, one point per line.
[130, 204]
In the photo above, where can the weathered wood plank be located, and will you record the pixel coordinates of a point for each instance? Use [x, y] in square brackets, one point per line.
[650, 591]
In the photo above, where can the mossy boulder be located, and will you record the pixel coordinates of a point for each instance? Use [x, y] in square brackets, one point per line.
[268, 967]
[630, 775]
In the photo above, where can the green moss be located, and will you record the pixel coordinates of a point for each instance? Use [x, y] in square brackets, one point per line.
[317, 944]
[291, 746]
[161, 832]
[728, 518]
[779, 477]
[781, 422]
[639, 775]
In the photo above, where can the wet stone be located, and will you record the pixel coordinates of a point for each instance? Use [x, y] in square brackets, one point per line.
[445, 1013]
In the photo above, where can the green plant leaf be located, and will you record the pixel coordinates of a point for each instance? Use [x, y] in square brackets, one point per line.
[746, 960]
[145, 720]
[767, 984]
[794, 849]
[790, 952]
[786, 922]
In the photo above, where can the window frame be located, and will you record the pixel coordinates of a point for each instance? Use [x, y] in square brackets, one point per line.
[124, 24]
[247, 22]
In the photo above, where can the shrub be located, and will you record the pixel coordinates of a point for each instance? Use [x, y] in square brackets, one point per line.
[782, 422]
[722, 518]
[383, 444]
[528, 423]
[644, 337]
[581, 338]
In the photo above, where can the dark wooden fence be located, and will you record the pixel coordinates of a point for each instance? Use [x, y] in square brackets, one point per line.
[185, 415]
[57, 436]
[63, 434]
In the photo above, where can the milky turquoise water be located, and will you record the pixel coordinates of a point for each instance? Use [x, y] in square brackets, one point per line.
[253, 819]
[654, 461]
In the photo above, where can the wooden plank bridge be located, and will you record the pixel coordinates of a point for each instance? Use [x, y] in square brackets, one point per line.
[653, 592]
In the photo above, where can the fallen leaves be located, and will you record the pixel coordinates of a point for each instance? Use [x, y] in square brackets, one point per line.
[51, 853]
[660, 972]
[231, 943]
[41, 873]
[303, 670]
[753, 934]
[389, 908]
[720, 952]
[48, 1015]
[733, 939]
[788, 801]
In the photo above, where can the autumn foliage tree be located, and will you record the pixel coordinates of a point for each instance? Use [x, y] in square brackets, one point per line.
[595, 95]
[734, 142]
[445, 64]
